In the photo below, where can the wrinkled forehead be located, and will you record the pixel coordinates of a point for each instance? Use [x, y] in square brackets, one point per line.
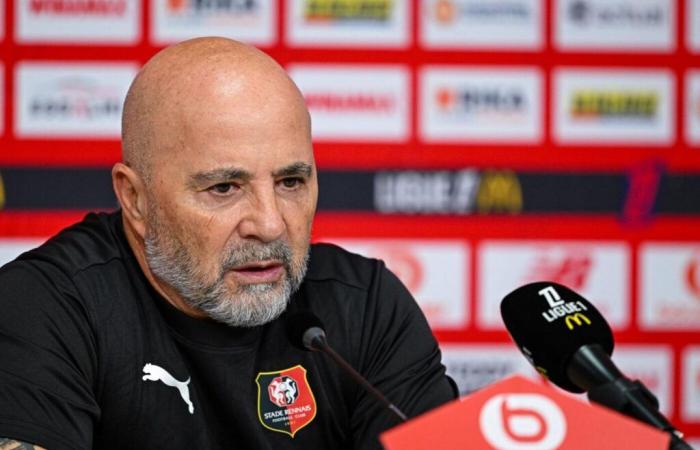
[233, 105]
[205, 88]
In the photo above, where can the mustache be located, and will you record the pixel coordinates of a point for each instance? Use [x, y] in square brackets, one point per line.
[251, 252]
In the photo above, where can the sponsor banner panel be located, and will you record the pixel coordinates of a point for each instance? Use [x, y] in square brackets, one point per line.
[10, 248]
[598, 270]
[412, 192]
[610, 106]
[436, 272]
[669, 286]
[474, 366]
[692, 107]
[447, 192]
[78, 21]
[466, 24]
[75, 100]
[348, 23]
[692, 28]
[642, 25]
[690, 396]
[54, 189]
[653, 366]
[356, 102]
[480, 104]
[251, 21]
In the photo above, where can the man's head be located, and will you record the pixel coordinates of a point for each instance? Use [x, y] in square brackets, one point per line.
[218, 183]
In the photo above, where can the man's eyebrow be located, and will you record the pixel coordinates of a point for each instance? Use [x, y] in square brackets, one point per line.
[219, 176]
[298, 168]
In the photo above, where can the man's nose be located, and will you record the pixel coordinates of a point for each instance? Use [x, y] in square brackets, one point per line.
[264, 220]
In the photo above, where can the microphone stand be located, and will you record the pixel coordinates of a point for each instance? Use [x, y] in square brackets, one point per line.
[319, 343]
[592, 370]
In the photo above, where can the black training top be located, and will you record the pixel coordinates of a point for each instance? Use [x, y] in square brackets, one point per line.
[92, 357]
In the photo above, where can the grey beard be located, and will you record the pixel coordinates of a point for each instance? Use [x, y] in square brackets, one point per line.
[251, 305]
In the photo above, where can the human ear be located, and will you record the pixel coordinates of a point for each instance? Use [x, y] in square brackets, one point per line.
[131, 194]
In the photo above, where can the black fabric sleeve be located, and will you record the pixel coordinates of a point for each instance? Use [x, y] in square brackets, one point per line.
[399, 355]
[47, 359]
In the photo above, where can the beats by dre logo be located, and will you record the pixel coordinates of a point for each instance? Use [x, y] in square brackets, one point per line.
[522, 422]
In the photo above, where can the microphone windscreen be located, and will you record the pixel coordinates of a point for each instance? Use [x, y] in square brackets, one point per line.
[297, 323]
[549, 323]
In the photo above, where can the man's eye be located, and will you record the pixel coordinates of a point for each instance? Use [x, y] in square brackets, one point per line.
[291, 183]
[222, 188]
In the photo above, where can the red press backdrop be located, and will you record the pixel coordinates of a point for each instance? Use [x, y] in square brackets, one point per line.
[474, 145]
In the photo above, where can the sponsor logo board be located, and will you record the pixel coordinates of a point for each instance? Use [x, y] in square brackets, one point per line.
[511, 24]
[436, 272]
[445, 192]
[692, 28]
[690, 397]
[476, 366]
[348, 23]
[669, 286]
[642, 25]
[78, 21]
[653, 366]
[251, 21]
[71, 100]
[466, 104]
[355, 103]
[599, 271]
[10, 248]
[623, 107]
[692, 107]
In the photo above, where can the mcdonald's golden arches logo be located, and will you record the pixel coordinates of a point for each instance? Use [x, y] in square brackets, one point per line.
[577, 318]
[499, 191]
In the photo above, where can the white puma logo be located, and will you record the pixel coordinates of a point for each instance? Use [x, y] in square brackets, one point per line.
[155, 373]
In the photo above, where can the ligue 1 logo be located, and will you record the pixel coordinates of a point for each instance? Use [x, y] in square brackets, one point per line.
[522, 422]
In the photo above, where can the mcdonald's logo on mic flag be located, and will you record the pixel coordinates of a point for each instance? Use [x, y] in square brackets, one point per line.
[578, 319]
[520, 414]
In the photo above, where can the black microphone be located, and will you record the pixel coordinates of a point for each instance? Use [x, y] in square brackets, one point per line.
[305, 330]
[568, 341]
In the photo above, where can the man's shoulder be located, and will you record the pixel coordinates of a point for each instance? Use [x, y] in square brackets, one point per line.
[90, 242]
[328, 262]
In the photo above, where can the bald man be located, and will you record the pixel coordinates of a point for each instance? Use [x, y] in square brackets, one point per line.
[162, 325]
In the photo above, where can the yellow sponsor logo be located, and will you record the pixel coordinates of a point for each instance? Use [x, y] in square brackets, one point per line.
[334, 10]
[499, 191]
[611, 104]
[577, 318]
[2, 193]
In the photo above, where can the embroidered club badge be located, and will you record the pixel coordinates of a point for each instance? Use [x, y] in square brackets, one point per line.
[285, 401]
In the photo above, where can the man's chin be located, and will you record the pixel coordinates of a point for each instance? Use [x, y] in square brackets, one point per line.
[252, 305]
